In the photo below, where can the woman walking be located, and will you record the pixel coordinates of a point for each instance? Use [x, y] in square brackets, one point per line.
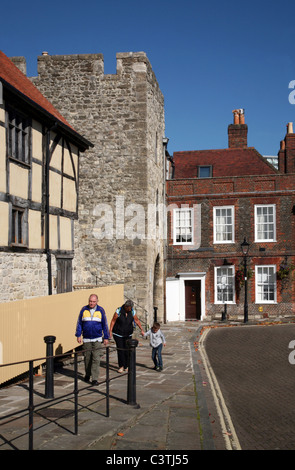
[121, 328]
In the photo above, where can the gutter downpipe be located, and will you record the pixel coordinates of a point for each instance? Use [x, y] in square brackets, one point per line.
[166, 157]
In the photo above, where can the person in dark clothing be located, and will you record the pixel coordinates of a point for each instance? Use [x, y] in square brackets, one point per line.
[121, 328]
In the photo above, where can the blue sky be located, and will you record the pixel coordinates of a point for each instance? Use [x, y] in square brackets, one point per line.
[209, 57]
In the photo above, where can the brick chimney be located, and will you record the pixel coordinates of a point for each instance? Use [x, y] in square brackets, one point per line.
[286, 153]
[237, 132]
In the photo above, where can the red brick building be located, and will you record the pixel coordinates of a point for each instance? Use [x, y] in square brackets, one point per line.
[216, 199]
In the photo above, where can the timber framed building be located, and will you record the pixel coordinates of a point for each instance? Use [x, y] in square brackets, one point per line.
[39, 179]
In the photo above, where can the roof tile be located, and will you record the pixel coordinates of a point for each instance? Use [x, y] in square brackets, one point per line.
[225, 162]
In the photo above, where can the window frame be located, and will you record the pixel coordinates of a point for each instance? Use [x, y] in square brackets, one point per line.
[18, 227]
[205, 166]
[178, 210]
[18, 131]
[216, 284]
[257, 300]
[215, 241]
[265, 240]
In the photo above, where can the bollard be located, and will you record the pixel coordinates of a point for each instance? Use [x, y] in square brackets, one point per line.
[131, 392]
[155, 314]
[49, 340]
[224, 313]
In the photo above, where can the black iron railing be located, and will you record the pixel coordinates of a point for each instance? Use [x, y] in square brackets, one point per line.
[49, 386]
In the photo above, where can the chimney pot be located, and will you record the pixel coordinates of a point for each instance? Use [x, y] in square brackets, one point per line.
[237, 132]
[236, 116]
[239, 116]
[44, 53]
[290, 128]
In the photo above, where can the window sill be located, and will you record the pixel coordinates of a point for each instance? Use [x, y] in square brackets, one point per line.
[20, 162]
[18, 245]
[183, 244]
[265, 241]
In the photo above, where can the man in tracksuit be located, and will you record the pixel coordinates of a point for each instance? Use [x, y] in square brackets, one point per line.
[92, 325]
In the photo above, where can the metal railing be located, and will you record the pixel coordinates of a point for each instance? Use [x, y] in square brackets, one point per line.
[49, 386]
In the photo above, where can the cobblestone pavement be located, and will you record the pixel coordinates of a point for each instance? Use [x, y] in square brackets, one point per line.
[257, 382]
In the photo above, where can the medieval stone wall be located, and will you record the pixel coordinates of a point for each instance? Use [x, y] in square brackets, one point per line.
[24, 276]
[122, 178]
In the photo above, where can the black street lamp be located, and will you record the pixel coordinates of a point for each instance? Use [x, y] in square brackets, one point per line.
[224, 290]
[245, 249]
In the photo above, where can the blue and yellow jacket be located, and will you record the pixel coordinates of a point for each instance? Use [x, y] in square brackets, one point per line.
[94, 327]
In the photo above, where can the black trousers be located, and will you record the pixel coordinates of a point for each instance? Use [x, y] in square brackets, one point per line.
[122, 350]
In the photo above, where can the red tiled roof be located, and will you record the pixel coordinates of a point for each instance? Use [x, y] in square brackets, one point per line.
[14, 77]
[225, 162]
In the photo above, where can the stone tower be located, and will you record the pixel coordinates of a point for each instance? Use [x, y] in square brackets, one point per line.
[119, 233]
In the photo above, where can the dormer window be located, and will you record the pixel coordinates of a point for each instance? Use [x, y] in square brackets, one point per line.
[204, 171]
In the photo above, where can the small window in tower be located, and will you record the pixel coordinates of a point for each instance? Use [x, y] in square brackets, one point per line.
[204, 171]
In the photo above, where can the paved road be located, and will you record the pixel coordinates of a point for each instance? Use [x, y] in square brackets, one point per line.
[257, 381]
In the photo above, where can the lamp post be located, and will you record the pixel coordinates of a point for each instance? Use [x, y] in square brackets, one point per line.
[223, 289]
[245, 249]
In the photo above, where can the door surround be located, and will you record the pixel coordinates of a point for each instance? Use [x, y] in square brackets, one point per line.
[194, 276]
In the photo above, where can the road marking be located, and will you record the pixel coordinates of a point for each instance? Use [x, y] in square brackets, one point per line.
[228, 430]
[7, 411]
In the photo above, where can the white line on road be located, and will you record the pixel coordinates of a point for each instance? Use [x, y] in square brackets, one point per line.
[228, 430]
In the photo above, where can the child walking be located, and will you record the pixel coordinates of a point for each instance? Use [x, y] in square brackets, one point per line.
[157, 340]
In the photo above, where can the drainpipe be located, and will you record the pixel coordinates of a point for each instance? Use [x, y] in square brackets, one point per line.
[166, 157]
